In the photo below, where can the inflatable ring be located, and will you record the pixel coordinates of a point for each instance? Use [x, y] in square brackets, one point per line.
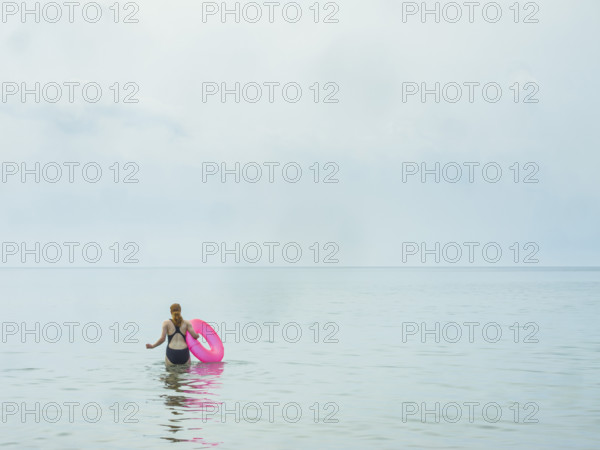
[216, 351]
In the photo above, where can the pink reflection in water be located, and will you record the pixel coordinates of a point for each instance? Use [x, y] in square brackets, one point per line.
[194, 386]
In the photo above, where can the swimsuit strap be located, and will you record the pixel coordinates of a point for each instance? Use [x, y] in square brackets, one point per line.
[177, 330]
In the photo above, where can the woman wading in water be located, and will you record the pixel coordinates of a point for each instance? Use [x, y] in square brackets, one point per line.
[175, 328]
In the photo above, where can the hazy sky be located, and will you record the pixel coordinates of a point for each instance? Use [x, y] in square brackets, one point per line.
[368, 135]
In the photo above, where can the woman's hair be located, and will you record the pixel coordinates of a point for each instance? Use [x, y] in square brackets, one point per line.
[176, 314]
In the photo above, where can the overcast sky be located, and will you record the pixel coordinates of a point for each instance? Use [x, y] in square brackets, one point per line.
[368, 135]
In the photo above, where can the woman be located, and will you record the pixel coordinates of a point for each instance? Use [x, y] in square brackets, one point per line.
[175, 328]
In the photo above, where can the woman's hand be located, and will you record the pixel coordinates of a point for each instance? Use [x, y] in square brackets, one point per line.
[149, 346]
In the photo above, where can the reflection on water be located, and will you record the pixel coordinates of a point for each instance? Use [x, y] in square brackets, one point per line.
[191, 393]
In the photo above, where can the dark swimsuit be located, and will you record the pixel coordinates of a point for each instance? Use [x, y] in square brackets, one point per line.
[181, 356]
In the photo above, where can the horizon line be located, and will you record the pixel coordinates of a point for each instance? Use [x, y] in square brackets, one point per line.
[293, 267]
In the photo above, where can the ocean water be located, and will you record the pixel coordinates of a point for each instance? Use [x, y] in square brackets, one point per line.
[314, 358]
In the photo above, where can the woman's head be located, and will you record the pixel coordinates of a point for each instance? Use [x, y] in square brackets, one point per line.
[176, 314]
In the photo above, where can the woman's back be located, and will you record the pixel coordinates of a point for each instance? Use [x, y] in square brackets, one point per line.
[175, 330]
[177, 339]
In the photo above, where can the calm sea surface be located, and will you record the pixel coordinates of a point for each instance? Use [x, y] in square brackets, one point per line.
[314, 358]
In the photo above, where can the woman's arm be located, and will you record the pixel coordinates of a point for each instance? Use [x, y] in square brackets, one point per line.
[161, 339]
[190, 329]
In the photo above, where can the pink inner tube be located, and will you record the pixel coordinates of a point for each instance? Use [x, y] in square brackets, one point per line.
[216, 351]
